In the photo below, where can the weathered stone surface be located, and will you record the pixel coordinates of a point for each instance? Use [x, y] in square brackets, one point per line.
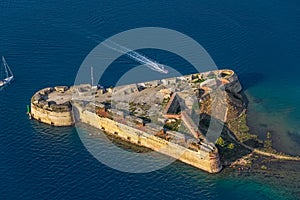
[52, 106]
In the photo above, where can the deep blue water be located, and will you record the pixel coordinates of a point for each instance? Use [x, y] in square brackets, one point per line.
[46, 42]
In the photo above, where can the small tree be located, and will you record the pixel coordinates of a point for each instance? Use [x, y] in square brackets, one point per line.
[268, 141]
[220, 142]
[268, 144]
[268, 135]
[231, 146]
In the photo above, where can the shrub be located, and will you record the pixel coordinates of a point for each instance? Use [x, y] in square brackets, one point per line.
[220, 142]
[231, 146]
[264, 167]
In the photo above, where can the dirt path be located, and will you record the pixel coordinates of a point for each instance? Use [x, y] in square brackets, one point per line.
[277, 156]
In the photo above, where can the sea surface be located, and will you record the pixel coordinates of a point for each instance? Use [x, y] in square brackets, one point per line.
[45, 43]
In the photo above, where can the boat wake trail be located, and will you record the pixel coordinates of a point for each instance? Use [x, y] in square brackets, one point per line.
[152, 64]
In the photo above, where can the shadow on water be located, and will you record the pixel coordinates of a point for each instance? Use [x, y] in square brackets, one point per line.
[249, 80]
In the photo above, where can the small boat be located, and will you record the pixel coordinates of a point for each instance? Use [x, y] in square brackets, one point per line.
[8, 76]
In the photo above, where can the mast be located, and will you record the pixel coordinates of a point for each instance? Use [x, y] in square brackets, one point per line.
[92, 76]
[5, 68]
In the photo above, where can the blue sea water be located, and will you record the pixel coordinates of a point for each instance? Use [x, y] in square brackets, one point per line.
[46, 42]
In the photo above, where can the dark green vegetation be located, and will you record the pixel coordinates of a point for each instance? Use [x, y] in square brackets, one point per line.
[173, 126]
[240, 129]
[200, 80]
[268, 144]
[242, 133]
[165, 102]
[229, 149]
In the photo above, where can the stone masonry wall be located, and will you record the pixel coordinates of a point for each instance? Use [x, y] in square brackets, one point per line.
[200, 159]
[52, 117]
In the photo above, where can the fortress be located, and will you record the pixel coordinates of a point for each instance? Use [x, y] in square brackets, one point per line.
[162, 115]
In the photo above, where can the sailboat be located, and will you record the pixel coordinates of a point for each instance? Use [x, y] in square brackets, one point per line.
[9, 77]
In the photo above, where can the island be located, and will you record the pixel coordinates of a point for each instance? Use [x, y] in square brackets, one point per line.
[171, 116]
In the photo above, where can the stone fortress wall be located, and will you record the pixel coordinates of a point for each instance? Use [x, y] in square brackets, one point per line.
[52, 106]
[49, 111]
[207, 161]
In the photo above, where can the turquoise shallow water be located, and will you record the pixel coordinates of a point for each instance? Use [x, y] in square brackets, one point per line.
[276, 109]
[45, 43]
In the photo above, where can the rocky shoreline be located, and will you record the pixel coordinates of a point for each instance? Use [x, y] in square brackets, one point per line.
[269, 165]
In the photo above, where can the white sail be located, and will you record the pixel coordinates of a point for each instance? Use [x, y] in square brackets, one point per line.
[9, 75]
[7, 68]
